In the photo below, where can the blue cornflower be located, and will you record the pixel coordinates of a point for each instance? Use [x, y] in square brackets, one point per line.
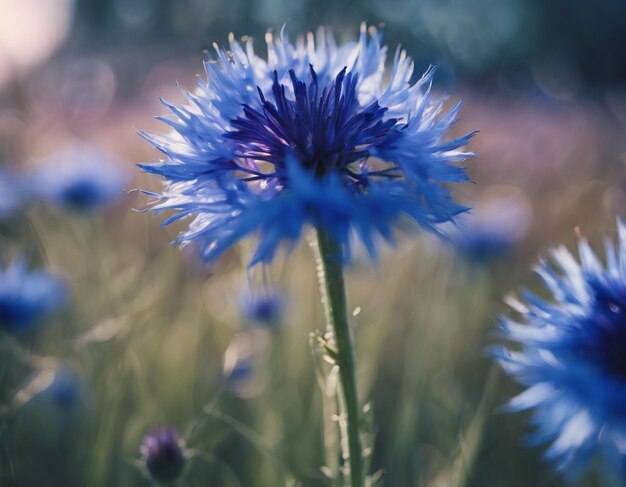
[570, 353]
[264, 307]
[57, 385]
[312, 135]
[65, 389]
[243, 372]
[81, 178]
[163, 453]
[483, 243]
[492, 231]
[26, 297]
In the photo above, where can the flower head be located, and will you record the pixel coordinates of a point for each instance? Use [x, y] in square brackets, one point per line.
[483, 243]
[263, 307]
[65, 389]
[570, 354]
[57, 385]
[81, 178]
[243, 372]
[313, 135]
[163, 452]
[492, 230]
[26, 297]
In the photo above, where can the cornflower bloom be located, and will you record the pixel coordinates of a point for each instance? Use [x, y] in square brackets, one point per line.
[313, 135]
[243, 372]
[80, 178]
[27, 297]
[569, 352]
[57, 385]
[263, 307]
[492, 231]
[65, 389]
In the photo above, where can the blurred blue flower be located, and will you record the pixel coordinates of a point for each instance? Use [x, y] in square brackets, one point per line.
[312, 135]
[163, 452]
[243, 372]
[65, 389]
[26, 297]
[81, 178]
[12, 194]
[54, 385]
[483, 243]
[492, 230]
[570, 354]
[263, 307]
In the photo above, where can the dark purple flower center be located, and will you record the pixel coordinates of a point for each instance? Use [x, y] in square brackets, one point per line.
[324, 128]
[602, 337]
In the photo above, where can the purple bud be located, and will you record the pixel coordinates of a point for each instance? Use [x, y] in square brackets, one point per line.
[163, 452]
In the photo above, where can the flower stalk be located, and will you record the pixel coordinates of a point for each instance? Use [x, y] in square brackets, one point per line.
[330, 273]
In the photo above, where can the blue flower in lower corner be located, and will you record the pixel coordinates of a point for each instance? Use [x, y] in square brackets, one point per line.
[570, 354]
[28, 296]
[81, 178]
[314, 135]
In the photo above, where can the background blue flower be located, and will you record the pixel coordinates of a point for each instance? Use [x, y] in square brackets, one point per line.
[26, 297]
[312, 135]
[52, 385]
[492, 230]
[264, 306]
[80, 178]
[570, 353]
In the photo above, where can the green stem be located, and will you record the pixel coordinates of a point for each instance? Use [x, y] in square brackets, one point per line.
[330, 273]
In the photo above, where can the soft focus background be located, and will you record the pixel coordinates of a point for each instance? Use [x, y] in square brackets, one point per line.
[151, 338]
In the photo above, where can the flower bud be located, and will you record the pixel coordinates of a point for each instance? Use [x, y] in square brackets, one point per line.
[163, 452]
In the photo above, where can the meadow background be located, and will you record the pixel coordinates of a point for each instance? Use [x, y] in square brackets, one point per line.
[151, 337]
